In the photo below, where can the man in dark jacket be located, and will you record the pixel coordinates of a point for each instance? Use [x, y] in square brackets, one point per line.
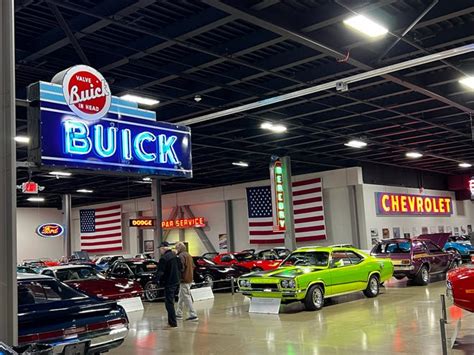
[169, 275]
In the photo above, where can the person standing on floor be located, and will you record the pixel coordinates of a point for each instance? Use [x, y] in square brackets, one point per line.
[187, 268]
[169, 274]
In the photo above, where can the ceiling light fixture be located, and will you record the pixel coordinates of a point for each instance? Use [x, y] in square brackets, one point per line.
[355, 143]
[465, 165]
[413, 155]
[468, 81]
[59, 173]
[147, 179]
[242, 164]
[22, 139]
[85, 191]
[36, 199]
[366, 26]
[197, 98]
[140, 100]
[277, 128]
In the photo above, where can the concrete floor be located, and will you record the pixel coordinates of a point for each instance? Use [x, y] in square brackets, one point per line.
[402, 319]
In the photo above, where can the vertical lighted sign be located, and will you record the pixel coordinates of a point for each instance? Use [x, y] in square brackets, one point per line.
[471, 187]
[278, 198]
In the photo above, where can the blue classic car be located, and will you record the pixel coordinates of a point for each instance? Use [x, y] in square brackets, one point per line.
[50, 312]
[461, 245]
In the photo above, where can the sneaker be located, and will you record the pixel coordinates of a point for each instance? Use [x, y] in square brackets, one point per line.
[179, 317]
[193, 319]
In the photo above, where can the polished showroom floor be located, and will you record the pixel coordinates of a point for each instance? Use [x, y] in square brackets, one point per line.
[403, 320]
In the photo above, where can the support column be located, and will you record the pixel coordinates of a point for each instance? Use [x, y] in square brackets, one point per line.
[181, 231]
[290, 238]
[8, 289]
[139, 240]
[229, 222]
[157, 211]
[67, 223]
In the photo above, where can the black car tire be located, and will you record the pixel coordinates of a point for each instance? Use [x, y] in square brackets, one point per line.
[314, 299]
[151, 291]
[373, 287]
[422, 278]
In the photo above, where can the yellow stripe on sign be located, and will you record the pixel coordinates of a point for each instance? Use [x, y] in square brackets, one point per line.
[470, 290]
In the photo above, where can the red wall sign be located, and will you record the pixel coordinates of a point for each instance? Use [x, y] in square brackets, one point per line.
[196, 222]
[406, 204]
[29, 187]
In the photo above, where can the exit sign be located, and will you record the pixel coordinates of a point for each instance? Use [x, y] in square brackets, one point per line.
[278, 196]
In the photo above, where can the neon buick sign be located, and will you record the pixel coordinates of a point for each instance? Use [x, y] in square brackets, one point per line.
[80, 125]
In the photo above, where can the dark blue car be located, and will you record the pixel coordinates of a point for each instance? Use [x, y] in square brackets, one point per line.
[50, 312]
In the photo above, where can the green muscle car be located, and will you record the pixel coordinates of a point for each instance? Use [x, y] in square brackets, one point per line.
[311, 274]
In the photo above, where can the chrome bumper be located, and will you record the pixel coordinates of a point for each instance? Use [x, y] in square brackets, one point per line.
[112, 337]
[403, 268]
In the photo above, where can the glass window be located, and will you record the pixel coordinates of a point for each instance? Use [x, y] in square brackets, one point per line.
[267, 255]
[31, 292]
[433, 248]
[418, 248]
[309, 258]
[393, 248]
[226, 258]
[353, 257]
[338, 256]
[244, 256]
[48, 273]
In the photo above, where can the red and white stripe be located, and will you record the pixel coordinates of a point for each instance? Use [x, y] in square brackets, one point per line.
[308, 210]
[108, 231]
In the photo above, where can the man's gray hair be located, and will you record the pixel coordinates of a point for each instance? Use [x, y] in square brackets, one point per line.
[180, 247]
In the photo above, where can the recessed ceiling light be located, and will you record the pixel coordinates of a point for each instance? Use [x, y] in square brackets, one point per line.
[85, 191]
[355, 143]
[243, 164]
[59, 173]
[22, 139]
[366, 26]
[413, 155]
[465, 165]
[468, 81]
[36, 199]
[277, 128]
[140, 100]
[146, 179]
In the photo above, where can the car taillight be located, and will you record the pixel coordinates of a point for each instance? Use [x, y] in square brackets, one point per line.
[33, 338]
[97, 326]
[406, 262]
[117, 323]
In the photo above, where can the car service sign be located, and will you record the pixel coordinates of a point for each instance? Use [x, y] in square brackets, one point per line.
[50, 230]
[85, 90]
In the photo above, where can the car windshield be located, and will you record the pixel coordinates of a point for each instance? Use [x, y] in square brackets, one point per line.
[244, 256]
[393, 248]
[44, 291]
[84, 273]
[307, 258]
[143, 267]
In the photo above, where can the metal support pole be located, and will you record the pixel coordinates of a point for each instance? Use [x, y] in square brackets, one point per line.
[201, 234]
[444, 343]
[232, 285]
[157, 211]
[139, 241]
[229, 219]
[290, 238]
[67, 223]
[8, 289]
[444, 315]
[181, 231]
[173, 214]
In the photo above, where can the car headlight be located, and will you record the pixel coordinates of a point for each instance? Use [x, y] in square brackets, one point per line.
[288, 284]
[244, 283]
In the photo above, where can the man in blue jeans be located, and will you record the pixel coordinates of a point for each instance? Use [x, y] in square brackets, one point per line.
[169, 275]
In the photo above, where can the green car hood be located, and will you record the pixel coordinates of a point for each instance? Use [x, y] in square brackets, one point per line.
[286, 272]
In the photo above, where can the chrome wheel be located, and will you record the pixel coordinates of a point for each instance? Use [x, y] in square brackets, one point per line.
[151, 291]
[318, 297]
[425, 276]
[208, 281]
[374, 286]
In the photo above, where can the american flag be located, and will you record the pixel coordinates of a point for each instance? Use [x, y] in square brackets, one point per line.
[308, 212]
[101, 229]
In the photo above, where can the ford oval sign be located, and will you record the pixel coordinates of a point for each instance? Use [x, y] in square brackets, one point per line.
[50, 230]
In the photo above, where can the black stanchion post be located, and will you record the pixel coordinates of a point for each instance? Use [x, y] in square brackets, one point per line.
[443, 308]
[232, 285]
[444, 345]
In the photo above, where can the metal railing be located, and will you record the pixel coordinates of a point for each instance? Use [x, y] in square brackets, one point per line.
[227, 285]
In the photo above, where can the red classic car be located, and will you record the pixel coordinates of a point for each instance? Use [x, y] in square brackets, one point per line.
[87, 280]
[460, 286]
[268, 259]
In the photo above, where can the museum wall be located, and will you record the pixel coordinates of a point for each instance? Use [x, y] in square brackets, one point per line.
[463, 214]
[30, 245]
[209, 203]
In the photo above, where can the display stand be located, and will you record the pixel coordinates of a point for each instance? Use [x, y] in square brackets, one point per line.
[202, 293]
[265, 305]
[131, 304]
